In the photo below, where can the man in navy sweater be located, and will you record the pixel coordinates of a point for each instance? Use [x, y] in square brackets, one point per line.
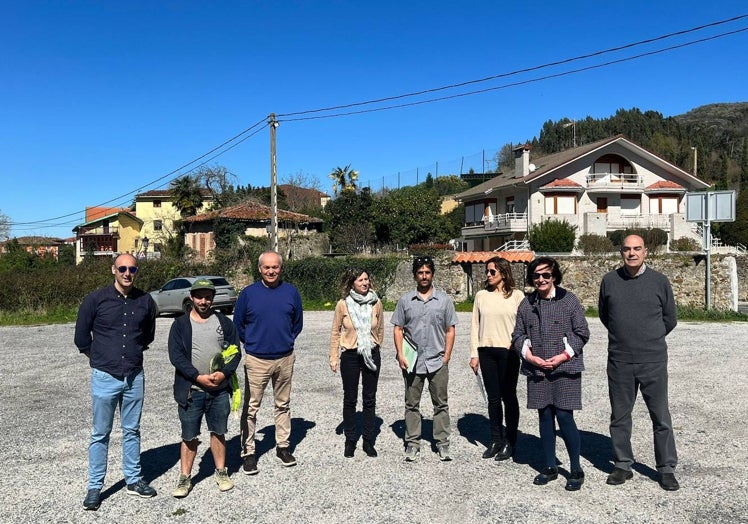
[268, 317]
[637, 306]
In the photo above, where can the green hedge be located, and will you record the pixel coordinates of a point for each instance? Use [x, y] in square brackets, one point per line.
[50, 287]
[318, 278]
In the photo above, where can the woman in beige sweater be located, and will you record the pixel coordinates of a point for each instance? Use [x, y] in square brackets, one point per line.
[494, 314]
[357, 333]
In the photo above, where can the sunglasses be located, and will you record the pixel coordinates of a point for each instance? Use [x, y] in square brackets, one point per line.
[424, 260]
[545, 276]
[123, 269]
[492, 272]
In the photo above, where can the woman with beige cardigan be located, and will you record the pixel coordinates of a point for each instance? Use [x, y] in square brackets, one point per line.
[357, 333]
[494, 315]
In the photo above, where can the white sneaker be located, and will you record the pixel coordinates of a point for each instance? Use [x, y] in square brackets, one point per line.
[222, 479]
[184, 485]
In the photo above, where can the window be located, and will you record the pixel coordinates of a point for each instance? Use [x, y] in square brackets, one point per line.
[157, 225]
[663, 205]
[630, 205]
[473, 213]
[510, 204]
[560, 204]
[156, 203]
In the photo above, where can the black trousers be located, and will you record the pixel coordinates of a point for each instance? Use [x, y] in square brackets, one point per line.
[500, 370]
[352, 368]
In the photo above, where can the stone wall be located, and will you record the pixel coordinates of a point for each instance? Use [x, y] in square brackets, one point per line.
[582, 275]
[449, 277]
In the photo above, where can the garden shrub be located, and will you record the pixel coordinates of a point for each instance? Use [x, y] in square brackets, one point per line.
[552, 236]
[685, 244]
[590, 244]
[653, 238]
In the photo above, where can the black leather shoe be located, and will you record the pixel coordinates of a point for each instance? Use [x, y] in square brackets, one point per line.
[492, 450]
[368, 448]
[619, 476]
[505, 452]
[350, 448]
[668, 482]
[92, 500]
[575, 481]
[545, 476]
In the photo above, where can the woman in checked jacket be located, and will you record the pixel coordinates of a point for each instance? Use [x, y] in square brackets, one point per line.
[549, 335]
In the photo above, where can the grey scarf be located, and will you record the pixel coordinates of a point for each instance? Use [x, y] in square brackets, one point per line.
[360, 308]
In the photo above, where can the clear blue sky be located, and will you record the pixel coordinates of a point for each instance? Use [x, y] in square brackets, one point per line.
[101, 100]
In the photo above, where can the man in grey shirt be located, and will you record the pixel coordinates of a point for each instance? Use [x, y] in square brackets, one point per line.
[204, 350]
[637, 306]
[427, 318]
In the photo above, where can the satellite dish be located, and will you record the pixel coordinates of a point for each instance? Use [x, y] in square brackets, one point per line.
[532, 167]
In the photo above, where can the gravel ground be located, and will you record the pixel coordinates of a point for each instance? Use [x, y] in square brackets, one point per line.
[45, 423]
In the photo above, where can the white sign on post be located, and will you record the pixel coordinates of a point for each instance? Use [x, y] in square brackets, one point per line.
[719, 204]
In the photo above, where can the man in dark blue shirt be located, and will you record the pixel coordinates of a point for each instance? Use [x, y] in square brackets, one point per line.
[115, 325]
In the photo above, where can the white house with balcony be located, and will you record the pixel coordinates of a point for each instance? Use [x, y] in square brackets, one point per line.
[609, 185]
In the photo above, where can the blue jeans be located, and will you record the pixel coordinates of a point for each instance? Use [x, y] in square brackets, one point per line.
[108, 392]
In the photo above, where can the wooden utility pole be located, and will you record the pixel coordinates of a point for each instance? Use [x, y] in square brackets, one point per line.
[273, 185]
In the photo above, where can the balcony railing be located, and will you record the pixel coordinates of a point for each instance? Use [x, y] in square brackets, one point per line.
[111, 231]
[614, 181]
[639, 221]
[505, 220]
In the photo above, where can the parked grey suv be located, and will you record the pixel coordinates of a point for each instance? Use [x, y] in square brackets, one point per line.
[174, 296]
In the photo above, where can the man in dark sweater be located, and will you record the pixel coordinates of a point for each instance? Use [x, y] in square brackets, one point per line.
[637, 306]
[268, 317]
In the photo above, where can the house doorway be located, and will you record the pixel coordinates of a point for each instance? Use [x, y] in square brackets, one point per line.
[602, 204]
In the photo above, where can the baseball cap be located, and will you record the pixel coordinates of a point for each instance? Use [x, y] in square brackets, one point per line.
[202, 283]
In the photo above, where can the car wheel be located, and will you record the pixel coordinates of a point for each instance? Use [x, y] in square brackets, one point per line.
[186, 307]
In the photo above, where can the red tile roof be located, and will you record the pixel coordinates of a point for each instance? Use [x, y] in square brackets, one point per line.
[97, 212]
[562, 182]
[252, 211]
[481, 257]
[665, 184]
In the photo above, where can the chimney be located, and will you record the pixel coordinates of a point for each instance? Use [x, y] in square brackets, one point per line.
[521, 161]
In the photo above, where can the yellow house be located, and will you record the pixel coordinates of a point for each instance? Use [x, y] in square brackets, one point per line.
[158, 214]
[108, 235]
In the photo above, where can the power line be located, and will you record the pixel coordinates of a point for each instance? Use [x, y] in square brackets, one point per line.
[504, 86]
[43, 223]
[517, 72]
[220, 148]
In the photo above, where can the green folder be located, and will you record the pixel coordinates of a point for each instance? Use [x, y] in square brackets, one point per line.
[410, 352]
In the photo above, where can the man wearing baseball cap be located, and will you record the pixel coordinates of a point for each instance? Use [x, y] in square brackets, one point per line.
[203, 348]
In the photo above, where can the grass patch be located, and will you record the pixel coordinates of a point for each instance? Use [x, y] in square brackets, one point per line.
[64, 315]
[694, 314]
[28, 317]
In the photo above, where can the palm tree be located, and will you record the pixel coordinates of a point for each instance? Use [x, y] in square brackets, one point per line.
[343, 179]
[186, 195]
